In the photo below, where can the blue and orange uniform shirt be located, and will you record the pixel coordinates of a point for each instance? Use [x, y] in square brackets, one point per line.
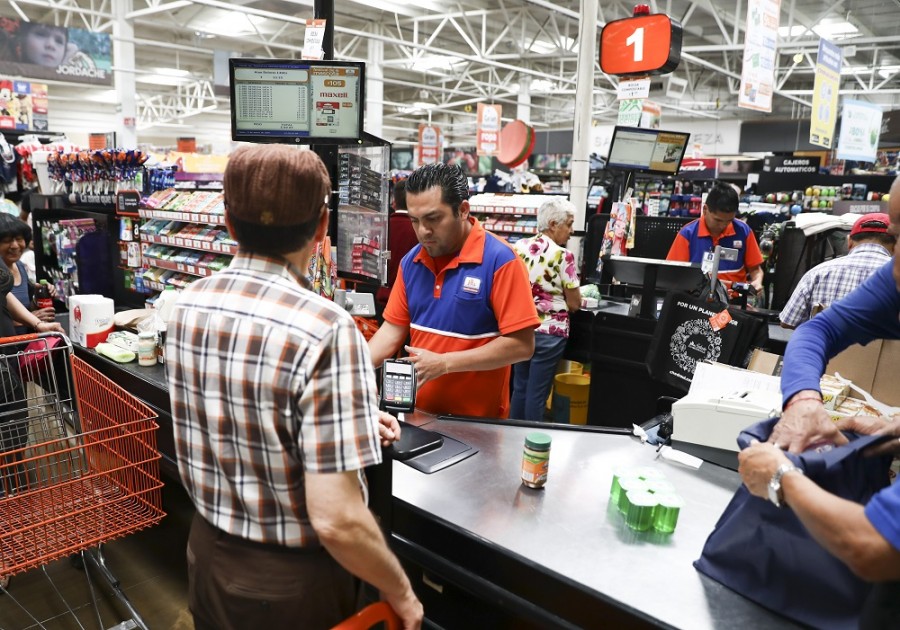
[693, 241]
[480, 294]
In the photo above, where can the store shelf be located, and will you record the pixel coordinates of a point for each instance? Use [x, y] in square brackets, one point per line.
[194, 270]
[515, 229]
[506, 210]
[186, 217]
[188, 243]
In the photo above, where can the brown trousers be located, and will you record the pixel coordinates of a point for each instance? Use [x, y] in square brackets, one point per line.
[238, 584]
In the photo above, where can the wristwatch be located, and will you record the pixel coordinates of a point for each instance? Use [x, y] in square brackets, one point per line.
[776, 494]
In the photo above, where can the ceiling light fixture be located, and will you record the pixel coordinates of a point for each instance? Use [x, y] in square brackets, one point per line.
[433, 63]
[829, 28]
[543, 47]
[230, 23]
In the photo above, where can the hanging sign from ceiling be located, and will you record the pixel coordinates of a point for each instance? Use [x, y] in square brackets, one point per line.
[487, 133]
[641, 45]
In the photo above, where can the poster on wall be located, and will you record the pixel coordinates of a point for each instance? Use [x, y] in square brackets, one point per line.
[630, 110]
[651, 115]
[860, 129]
[760, 42]
[488, 130]
[430, 142]
[825, 94]
[23, 105]
[43, 51]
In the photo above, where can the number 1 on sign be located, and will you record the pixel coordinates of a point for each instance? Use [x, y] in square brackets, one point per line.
[637, 40]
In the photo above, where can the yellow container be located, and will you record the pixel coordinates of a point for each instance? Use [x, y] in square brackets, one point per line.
[570, 398]
[564, 367]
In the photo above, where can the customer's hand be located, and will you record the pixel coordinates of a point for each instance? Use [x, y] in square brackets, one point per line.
[756, 465]
[388, 428]
[429, 365]
[408, 608]
[867, 425]
[45, 314]
[864, 425]
[805, 423]
[45, 327]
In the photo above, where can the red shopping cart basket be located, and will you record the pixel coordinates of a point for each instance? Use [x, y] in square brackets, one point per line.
[79, 464]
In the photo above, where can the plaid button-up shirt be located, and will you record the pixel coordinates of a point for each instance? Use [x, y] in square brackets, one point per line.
[267, 381]
[830, 281]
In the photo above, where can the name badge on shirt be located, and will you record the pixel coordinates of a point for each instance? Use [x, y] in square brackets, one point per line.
[738, 244]
[471, 284]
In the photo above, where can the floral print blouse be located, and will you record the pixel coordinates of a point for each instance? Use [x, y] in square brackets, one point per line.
[551, 269]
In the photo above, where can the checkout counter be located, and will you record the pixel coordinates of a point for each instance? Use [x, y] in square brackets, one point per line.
[482, 550]
[616, 345]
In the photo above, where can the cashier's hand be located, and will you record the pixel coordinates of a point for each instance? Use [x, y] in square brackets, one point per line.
[867, 425]
[45, 314]
[388, 428]
[756, 465]
[429, 365]
[805, 423]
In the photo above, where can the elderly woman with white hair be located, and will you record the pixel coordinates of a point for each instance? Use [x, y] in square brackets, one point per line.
[554, 286]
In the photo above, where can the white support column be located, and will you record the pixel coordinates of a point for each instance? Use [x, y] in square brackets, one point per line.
[375, 88]
[581, 140]
[123, 53]
[523, 106]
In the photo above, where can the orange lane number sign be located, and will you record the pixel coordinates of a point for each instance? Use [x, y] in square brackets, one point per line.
[647, 44]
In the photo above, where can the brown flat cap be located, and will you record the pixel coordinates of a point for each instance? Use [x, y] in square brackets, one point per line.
[275, 185]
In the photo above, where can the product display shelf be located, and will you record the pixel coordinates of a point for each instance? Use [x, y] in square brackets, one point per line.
[189, 243]
[185, 217]
[509, 215]
[194, 270]
[181, 240]
[362, 212]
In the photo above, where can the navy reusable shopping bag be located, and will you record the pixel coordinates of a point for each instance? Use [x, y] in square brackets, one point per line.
[765, 553]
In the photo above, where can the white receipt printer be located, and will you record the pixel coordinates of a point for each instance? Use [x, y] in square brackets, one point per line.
[721, 403]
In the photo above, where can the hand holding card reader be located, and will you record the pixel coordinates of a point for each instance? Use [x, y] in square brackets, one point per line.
[398, 395]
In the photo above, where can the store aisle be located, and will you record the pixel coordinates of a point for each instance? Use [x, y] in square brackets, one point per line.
[150, 565]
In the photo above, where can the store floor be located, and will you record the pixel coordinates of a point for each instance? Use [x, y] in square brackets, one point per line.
[149, 564]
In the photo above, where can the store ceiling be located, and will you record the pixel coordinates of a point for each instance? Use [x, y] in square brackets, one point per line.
[442, 58]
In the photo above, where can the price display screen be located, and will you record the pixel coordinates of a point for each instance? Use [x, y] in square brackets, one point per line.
[275, 100]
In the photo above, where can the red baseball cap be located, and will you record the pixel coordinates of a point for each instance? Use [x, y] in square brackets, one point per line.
[872, 222]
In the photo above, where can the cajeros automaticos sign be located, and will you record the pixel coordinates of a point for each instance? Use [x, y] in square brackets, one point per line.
[640, 45]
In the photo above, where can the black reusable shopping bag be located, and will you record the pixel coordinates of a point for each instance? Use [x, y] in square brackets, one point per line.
[766, 554]
[684, 335]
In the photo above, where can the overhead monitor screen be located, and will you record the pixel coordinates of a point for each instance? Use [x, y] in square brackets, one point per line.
[279, 100]
[647, 150]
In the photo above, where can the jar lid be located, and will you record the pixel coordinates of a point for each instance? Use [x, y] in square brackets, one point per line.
[538, 441]
[147, 334]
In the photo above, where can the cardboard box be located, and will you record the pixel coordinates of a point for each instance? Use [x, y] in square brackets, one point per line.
[765, 362]
[873, 367]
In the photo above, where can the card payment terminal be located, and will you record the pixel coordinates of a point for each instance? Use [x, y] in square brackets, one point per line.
[398, 386]
[398, 395]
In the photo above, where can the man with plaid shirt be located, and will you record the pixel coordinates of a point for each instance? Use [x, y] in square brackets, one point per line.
[869, 246]
[275, 416]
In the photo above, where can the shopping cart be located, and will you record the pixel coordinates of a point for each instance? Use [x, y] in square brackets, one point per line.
[78, 464]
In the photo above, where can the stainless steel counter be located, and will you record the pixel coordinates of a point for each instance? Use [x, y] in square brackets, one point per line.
[568, 529]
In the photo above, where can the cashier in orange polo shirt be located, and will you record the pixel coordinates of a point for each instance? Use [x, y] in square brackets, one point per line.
[718, 226]
[463, 298]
